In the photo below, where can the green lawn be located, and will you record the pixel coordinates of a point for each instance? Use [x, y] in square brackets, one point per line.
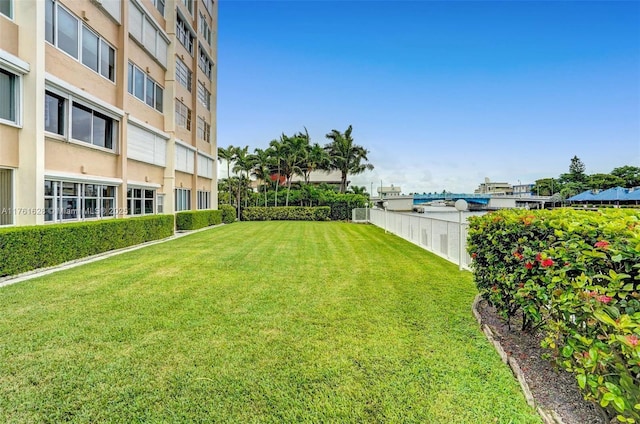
[258, 322]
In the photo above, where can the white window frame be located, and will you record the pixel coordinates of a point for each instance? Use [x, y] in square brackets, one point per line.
[72, 94]
[80, 26]
[17, 68]
[183, 115]
[204, 199]
[208, 5]
[8, 209]
[11, 10]
[203, 130]
[59, 213]
[159, 45]
[185, 34]
[132, 198]
[204, 62]
[205, 28]
[204, 96]
[131, 68]
[182, 199]
[184, 75]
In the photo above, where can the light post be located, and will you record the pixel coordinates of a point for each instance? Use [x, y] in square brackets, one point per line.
[461, 205]
[385, 204]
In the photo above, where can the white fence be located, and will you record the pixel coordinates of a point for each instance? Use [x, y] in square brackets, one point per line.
[439, 234]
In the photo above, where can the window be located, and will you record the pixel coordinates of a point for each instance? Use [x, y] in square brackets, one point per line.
[69, 34]
[160, 203]
[204, 97]
[184, 159]
[184, 35]
[144, 29]
[54, 113]
[183, 115]
[68, 200]
[6, 9]
[183, 74]
[204, 62]
[159, 4]
[204, 129]
[183, 199]
[92, 127]
[146, 146]
[144, 88]
[140, 201]
[205, 166]
[208, 4]
[9, 92]
[189, 5]
[205, 29]
[204, 199]
[6, 197]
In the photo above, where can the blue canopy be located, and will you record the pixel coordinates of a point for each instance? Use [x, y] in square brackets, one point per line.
[609, 195]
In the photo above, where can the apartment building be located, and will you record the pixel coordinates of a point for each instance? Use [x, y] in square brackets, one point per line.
[107, 108]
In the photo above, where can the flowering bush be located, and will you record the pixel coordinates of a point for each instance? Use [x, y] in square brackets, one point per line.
[575, 275]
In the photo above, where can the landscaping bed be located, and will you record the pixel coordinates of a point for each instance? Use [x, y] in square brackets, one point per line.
[553, 389]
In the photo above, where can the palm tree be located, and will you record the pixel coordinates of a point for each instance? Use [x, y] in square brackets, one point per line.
[243, 163]
[227, 155]
[345, 156]
[293, 152]
[262, 169]
[275, 150]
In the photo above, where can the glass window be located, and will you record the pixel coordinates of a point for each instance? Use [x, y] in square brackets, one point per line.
[6, 197]
[138, 84]
[48, 18]
[183, 74]
[130, 78]
[107, 61]
[54, 107]
[89, 49]
[71, 201]
[5, 8]
[67, 34]
[8, 94]
[101, 136]
[159, 94]
[150, 92]
[81, 123]
[159, 4]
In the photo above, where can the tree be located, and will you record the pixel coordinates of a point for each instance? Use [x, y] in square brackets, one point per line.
[358, 190]
[293, 152]
[243, 163]
[345, 156]
[604, 181]
[576, 172]
[262, 169]
[227, 155]
[629, 174]
[546, 187]
[275, 149]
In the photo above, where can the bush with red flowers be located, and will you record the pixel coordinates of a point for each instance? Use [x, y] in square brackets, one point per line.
[576, 276]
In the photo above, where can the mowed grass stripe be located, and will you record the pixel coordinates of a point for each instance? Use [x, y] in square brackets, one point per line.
[263, 322]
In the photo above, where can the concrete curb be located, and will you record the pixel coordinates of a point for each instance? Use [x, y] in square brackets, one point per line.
[13, 279]
[548, 416]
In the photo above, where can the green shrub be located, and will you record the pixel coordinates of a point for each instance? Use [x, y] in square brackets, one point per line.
[286, 213]
[342, 204]
[576, 275]
[228, 213]
[27, 248]
[194, 220]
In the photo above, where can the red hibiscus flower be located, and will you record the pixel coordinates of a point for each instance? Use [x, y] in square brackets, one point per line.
[518, 256]
[528, 265]
[602, 244]
[538, 257]
[547, 262]
[633, 340]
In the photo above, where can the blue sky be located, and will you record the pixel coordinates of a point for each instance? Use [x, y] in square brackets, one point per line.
[442, 94]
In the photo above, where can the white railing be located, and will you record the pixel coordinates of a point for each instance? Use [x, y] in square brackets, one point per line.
[438, 234]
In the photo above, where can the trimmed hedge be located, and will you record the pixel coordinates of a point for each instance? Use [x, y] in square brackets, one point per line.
[228, 213]
[576, 276]
[342, 204]
[194, 220]
[286, 213]
[27, 248]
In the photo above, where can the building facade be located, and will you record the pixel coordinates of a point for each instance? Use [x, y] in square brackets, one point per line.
[108, 108]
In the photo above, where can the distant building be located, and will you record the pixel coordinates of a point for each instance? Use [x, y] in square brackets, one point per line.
[523, 190]
[490, 187]
[389, 191]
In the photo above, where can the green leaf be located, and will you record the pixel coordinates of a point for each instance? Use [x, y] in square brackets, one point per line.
[582, 381]
[602, 316]
[618, 402]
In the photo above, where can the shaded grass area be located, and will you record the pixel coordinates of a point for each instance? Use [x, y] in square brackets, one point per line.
[256, 322]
